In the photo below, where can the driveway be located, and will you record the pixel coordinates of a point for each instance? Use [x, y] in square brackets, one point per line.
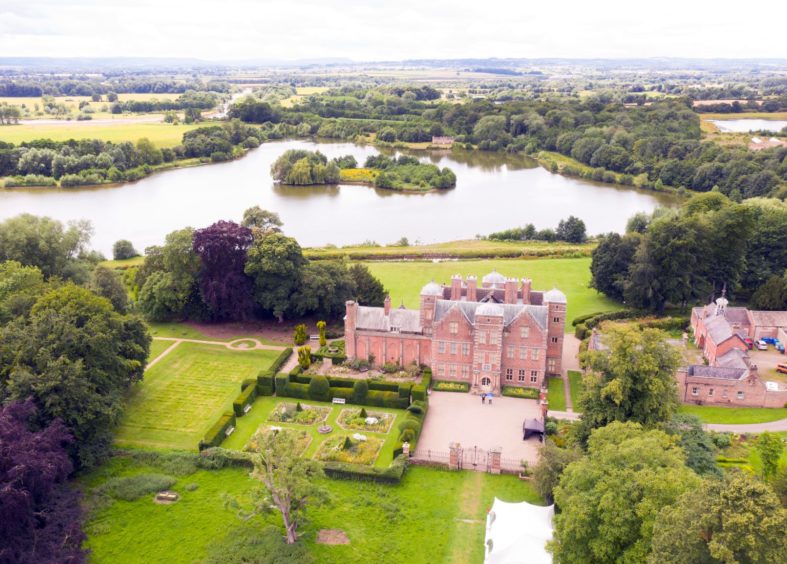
[456, 417]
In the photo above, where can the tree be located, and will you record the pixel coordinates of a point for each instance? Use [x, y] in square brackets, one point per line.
[275, 263]
[76, 358]
[695, 442]
[772, 295]
[224, 285]
[734, 519]
[148, 152]
[107, 284]
[20, 287]
[769, 446]
[550, 466]
[360, 391]
[46, 244]
[610, 263]
[262, 221]
[325, 286]
[250, 110]
[571, 230]
[123, 249]
[288, 478]
[40, 520]
[632, 381]
[368, 289]
[610, 499]
[321, 329]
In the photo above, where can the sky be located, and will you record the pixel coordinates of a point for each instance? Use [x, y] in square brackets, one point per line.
[378, 30]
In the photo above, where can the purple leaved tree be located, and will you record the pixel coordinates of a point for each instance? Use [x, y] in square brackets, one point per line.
[225, 288]
[40, 519]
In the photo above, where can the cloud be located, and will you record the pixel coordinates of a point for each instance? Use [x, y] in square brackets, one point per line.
[385, 30]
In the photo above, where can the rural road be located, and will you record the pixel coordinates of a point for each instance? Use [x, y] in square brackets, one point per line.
[773, 426]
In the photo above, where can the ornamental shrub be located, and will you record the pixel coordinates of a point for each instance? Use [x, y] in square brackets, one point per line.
[299, 336]
[305, 357]
[360, 391]
[246, 397]
[319, 388]
[217, 433]
[419, 393]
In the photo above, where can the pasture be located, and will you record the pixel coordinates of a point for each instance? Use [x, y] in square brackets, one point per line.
[116, 130]
[184, 394]
[383, 523]
[404, 280]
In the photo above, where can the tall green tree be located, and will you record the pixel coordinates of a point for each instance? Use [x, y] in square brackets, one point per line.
[695, 442]
[276, 264]
[769, 446]
[729, 520]
[634, 380]
[369, 290]
[108, 284]
[610, 499]
[611, 261]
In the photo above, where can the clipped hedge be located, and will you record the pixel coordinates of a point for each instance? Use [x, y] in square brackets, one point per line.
[345, 471]
[426, 378]
[581, 331]
[280, 361]
[418, 393]
[517, 392]
[265, 382]
[246, 397]
[450, 386]
[217, 433]
[379, 394]
[582, 318]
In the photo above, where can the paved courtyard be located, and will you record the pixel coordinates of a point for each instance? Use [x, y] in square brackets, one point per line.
[462, 418]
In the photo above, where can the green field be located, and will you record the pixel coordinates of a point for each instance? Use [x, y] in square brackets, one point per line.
[158, 347]
[557, 395]
[182, 396]
[404, 280]
[247, 425]
[734, 415]
[161, 134]
[432, 516]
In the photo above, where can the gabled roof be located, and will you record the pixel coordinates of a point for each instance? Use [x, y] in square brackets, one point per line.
[510, 311]
[374, 319]
[718, 372]
[734, 358]
[718, 329]
[769, 318]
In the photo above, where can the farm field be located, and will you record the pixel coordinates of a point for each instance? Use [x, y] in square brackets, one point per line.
[384, 523]
[404, 280]
[734, 415]
[246, 426]
[161, 134]
[183, 395]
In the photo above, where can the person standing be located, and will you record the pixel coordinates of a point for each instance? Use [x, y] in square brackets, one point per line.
[483, 398]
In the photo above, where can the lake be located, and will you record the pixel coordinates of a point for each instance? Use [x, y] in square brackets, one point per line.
[493, 192]
[745, 125]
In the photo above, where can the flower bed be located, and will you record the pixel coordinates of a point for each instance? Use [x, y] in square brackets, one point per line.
[347, 449]
[302, 438]
[517, 392]
[301, 414]
[444, 386]
[358, 419]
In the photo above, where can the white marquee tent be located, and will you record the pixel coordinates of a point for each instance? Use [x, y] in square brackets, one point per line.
[517, 533]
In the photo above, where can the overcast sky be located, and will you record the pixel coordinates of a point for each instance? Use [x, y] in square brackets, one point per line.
[392, 29]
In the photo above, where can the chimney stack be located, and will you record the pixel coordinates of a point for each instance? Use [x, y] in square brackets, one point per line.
[472, 284]
[456, 287]
[387, 305]
[510, 290]
[526, 283]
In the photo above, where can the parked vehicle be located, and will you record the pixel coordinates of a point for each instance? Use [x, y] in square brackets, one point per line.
[782, 368]
[779, 347]
[749, 343]
[762, 345]
[770, 340]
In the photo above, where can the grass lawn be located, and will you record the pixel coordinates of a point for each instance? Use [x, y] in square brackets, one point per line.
[432, 516]
[123, 264]
[575, 386]
[184, 394]
[158, 347]
[734, 415]
[161, 134]
[247, 425]
[178, 330]
[404, 280]
[557, 394]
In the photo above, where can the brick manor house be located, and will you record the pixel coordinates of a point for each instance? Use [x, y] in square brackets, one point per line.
[499, 334]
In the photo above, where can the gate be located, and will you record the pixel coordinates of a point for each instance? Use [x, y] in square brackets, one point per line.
[474, 458]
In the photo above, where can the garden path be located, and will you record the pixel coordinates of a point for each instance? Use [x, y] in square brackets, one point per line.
[164, 353]
[235, 345]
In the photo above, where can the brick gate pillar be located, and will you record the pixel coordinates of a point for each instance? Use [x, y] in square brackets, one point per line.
[494, 460]
[454, 456]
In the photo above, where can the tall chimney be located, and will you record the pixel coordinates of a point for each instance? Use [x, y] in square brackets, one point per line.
[472, 284]
[526, 283]
[387, 305]
[456, 287]
[510, 290]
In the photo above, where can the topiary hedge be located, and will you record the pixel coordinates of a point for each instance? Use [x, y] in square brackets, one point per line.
[426, 378]
[218, 432]
[265, 383]
[319, 389]
[418, 393]
[246, 397]
[297, 385]
[345, 471]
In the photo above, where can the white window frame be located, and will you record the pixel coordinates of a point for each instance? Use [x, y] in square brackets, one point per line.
[695, 391]
[453, 327]
[509, 374]
[524, 332]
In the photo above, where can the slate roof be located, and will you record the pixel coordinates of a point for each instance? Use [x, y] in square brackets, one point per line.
[769, 318]
[374, 319]
[734, 358]
[510, 311]
[718, 372]
[719, 329]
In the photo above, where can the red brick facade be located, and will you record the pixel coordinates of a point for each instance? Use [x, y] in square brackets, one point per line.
[499, 334]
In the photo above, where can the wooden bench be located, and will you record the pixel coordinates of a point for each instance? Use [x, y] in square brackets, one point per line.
[339, 400]
[229, 431]
[247, 408]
